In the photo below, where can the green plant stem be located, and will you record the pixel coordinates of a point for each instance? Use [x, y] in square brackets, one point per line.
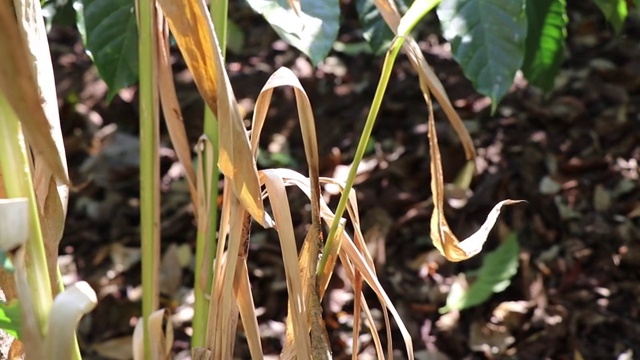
[14, 161]
[206, 241]
[365, 136]
[149, 165]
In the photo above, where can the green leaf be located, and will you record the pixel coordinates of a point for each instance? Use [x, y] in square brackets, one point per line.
[112, 41]
[374, 29]
[494, 276]
[313, 33]
[487, 40]
[544, 49]
[10, 318]
[615, 11]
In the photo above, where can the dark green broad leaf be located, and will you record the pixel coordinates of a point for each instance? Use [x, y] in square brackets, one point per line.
[494, 276]
[615, 11]
[374, 29]
[544, 51]
[487, 40]
[112, 41]
[10, 318]
[313, 33]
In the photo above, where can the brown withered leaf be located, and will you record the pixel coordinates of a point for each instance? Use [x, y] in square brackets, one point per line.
[18, 84]
[172, 113]
[191, 26]
[441, 235]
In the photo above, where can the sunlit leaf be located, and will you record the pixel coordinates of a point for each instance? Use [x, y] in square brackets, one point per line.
[487, 40]
[192, 28]
[313, 31]
[494, 276]
[19, 92]
[112, 41]
[544, 52]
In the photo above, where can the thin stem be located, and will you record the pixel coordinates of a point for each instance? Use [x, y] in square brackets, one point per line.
[149, 164]
[360, 150]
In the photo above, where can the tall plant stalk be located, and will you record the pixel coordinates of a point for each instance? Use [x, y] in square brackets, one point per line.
[149, 163]
[206, 241]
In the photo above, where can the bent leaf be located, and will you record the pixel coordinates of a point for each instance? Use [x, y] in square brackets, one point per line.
[191, 26]
[498, 267]
[547, 29]
[67, 310]
[18, 85]
[487, 40]
[441, 235]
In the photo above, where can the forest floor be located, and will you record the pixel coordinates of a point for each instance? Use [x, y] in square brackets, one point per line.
[572, 154]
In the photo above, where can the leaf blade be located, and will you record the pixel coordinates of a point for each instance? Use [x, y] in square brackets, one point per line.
[112, 40]
[312, 31]
[487, 40]
[544, 47]
[498, 267]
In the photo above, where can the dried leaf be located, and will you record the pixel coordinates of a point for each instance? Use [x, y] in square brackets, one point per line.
[51, 198]
[428, 79]
[18, 84]
[191, 26]
[353, 259]
[298, 333]
[160, 334]
[172, 113]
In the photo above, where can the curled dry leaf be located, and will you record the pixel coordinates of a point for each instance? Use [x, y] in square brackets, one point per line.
[441, 235]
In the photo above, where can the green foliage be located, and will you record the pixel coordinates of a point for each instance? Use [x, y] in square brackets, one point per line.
[547, 30]
[494, 276]
[374, 29]
[10, 318]
[615, 11]
[313, 33]
[487, 40]
[112, 41]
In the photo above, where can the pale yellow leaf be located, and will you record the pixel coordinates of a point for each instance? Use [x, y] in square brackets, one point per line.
[160, 334]
[299, 334]
[18, 84]
[191, 26]
[172, 113]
